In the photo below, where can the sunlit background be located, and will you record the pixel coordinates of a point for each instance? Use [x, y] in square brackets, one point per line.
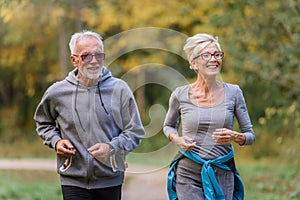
[143, 42]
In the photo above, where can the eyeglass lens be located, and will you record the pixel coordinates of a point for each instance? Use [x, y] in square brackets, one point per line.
[89, 57]
[216, 55]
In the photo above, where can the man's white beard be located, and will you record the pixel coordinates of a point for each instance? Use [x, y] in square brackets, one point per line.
[88, 75]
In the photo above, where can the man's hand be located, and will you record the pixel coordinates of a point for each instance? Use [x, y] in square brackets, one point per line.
[64, 149]
[100, 151]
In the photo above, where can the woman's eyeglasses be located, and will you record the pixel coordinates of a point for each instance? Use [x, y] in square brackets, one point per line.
[88, 57]
[218, 55]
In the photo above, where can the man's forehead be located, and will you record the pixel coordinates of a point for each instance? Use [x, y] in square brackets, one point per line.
[89, 42]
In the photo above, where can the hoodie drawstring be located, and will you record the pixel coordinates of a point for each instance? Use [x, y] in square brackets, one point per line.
[76, 111]
[102, 104]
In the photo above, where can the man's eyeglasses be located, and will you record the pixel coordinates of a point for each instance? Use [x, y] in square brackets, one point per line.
[88, 57]
[218, 55]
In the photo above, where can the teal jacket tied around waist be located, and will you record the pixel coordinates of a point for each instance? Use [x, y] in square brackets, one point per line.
[211, 187]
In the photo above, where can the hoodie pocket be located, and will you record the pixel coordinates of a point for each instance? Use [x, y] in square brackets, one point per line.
[76, 166]
[65, 166]
[101, 170]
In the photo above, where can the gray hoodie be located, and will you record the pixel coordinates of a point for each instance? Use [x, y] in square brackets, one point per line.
[103, 113]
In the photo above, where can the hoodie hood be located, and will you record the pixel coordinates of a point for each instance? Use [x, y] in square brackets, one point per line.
[72, 77]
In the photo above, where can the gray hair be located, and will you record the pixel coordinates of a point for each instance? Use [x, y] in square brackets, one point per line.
[197, 43]
[79, 35]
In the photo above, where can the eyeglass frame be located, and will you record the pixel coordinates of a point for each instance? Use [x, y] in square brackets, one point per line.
[211, 55]
[92, 54]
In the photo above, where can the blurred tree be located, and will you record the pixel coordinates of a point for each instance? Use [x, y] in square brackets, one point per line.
[24, 59]
[34, 37]
[262, 39]
[28, 59]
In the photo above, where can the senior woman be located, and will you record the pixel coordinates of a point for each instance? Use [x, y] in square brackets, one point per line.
[206, 109]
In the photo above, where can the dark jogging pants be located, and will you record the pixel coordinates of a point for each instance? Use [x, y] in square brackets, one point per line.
[78, 193]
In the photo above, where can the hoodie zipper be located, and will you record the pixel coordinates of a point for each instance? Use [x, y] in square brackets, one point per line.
[89, 160]
[89, 169]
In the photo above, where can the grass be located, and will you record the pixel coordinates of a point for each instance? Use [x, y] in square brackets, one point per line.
[25, 148]
[29, 185]
[263, 180]
[268, 178]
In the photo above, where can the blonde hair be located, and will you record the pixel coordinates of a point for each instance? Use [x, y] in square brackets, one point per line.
[198, 42]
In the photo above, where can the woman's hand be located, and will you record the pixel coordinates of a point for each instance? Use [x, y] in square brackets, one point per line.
[184, 142]
[226, 136]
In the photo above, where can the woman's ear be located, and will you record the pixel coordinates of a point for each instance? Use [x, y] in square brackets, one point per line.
[193, 64]
[74, 60]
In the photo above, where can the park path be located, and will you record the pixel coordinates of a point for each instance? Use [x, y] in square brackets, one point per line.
[142, 182]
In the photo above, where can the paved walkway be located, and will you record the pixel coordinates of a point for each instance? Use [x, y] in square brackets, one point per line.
[146, 183]
[28, 164]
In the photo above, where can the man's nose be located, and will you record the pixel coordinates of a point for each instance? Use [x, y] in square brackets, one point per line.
[94, 60]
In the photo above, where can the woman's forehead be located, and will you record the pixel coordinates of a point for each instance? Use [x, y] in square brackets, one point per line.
[210, 47]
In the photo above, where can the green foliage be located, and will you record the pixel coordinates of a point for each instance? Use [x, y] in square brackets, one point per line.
[260, 38]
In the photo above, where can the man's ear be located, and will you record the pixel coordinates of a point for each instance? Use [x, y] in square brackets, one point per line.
[74, 60]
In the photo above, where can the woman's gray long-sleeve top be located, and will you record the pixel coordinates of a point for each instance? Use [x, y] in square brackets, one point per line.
[200, 122]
